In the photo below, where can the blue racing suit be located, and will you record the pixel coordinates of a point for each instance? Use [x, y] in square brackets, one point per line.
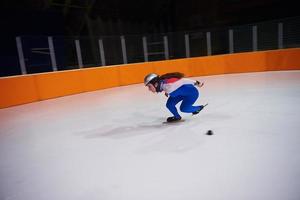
[180, 90]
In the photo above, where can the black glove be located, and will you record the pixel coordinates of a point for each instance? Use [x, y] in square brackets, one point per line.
[198, 84]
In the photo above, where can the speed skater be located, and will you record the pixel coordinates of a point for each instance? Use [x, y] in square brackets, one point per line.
[177, 89]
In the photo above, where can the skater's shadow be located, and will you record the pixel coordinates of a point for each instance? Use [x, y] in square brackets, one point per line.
[168, 138]
[124, 131]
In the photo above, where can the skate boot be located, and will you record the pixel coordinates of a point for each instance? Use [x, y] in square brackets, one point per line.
[173, 119]
[196, 112]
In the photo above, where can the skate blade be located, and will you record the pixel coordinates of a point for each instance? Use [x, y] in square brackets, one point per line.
[174, 122]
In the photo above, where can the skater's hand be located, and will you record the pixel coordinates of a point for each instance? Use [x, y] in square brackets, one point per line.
[199, 84]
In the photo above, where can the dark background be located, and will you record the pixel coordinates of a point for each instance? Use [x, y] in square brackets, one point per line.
[115, 17]
[125, 17]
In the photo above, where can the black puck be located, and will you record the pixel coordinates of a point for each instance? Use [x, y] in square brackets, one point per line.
[209, 132]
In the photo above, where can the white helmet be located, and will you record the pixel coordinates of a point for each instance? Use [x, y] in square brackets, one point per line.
[149, 78]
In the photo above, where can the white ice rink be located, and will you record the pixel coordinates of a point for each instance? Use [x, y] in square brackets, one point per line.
[112, 144]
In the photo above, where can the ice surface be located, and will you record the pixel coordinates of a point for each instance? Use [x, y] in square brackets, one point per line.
[112, 144]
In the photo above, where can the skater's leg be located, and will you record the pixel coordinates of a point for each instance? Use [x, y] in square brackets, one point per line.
[188, 101]
[171, 105]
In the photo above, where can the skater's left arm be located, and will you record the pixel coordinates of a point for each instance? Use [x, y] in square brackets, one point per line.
[196, 83]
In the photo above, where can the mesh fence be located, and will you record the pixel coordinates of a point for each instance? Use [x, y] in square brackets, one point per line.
[198, 44]
[242, 39]
[291, 32]
[267, 36]
[219, 42]
[134, 48]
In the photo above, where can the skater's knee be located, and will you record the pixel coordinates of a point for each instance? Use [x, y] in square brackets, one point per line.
[183, 108]
[170, 106]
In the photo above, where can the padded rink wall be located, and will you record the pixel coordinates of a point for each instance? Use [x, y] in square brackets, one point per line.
[36, 87]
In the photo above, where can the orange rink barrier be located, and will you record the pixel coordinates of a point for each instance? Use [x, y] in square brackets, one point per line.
[30, 88]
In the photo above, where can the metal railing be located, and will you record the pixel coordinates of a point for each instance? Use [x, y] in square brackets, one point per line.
[44, 54]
